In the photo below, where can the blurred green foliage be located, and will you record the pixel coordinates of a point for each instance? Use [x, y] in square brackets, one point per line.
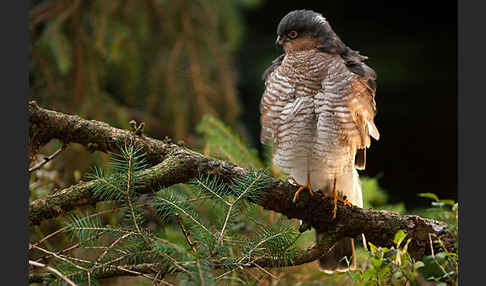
[222, 143]
[166, 63]
[375, 197]
[163, 62]
[395, 266]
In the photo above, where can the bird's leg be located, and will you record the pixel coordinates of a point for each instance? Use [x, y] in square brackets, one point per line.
[336, 198]
[302, 187]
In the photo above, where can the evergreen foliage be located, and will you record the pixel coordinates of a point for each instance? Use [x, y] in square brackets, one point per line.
[206, 232]
[206, 240]
[148, 60]
[220, 142]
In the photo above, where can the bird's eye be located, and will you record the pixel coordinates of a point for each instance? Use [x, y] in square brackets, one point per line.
[293, 34]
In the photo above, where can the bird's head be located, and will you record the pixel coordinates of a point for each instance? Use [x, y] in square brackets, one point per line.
[302, 30]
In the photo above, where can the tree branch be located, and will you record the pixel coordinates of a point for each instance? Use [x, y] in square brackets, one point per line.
[45, 125]
[306, 256]
[174, 164]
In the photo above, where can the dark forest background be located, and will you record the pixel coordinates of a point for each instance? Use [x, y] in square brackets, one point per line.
[168, 63]
[412, 46]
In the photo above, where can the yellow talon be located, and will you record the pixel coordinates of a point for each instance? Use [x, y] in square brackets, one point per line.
[336, 198]
[302, 187]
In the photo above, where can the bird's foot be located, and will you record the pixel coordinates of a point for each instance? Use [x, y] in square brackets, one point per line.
[301, 188]
[335, 196]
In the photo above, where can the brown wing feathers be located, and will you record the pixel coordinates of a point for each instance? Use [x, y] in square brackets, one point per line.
[363, 107]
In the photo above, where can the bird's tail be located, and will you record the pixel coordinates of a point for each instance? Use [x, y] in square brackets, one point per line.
[334, 260]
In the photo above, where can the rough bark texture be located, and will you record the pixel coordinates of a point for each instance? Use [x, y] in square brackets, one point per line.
[45, 125]
[174, 164]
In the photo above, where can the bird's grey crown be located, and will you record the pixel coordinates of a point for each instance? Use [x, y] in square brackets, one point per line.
[313, 24]
[302, 21]
[310, 23]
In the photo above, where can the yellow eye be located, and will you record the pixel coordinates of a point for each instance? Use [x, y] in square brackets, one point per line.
[293, 34]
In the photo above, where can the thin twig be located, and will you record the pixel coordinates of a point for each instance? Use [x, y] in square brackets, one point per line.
[194, 199]
[53, 270]
[258, 244]
[211, 191]
[87, 217]
[201, 276]
[226, 273]
[74, 246]
[48, 236]
[113, 245]
[187, 214]
[132, 210]
[193, 247]
[59, 257]
[186, 234]
[266, 271]
[48, 159]
[431, 246]
[221, 234]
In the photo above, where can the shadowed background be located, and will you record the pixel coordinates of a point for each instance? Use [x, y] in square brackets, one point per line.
[168, 63]
[412, 46]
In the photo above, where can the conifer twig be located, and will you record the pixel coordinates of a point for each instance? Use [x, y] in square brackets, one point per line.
[60, 257]
[129, 199]
[116, 241]
[230, 208]
[53, 270]
[207, 188]
[193, 248]
[187, 214]
[225, 273]
[87, 217]
[186, 234]
[265, 271]
[48, 159]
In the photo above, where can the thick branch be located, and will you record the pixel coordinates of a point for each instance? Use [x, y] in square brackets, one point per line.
[45, 125]
[179, 165]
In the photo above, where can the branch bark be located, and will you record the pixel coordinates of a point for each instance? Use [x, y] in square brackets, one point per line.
[172, 164]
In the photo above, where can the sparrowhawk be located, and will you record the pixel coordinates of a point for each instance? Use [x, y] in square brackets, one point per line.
[317, 110]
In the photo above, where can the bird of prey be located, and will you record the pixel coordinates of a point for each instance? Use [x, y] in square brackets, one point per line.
[317, 110]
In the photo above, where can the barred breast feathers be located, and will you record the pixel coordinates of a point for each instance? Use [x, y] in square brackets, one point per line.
[318, 113]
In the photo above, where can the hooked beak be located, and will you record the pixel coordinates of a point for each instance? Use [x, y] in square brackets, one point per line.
[279, 41]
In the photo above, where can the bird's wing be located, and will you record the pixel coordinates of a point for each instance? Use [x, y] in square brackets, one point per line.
[276, 97]
[288, 122]
[363, 107]
[351, 95]
[275, 63]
